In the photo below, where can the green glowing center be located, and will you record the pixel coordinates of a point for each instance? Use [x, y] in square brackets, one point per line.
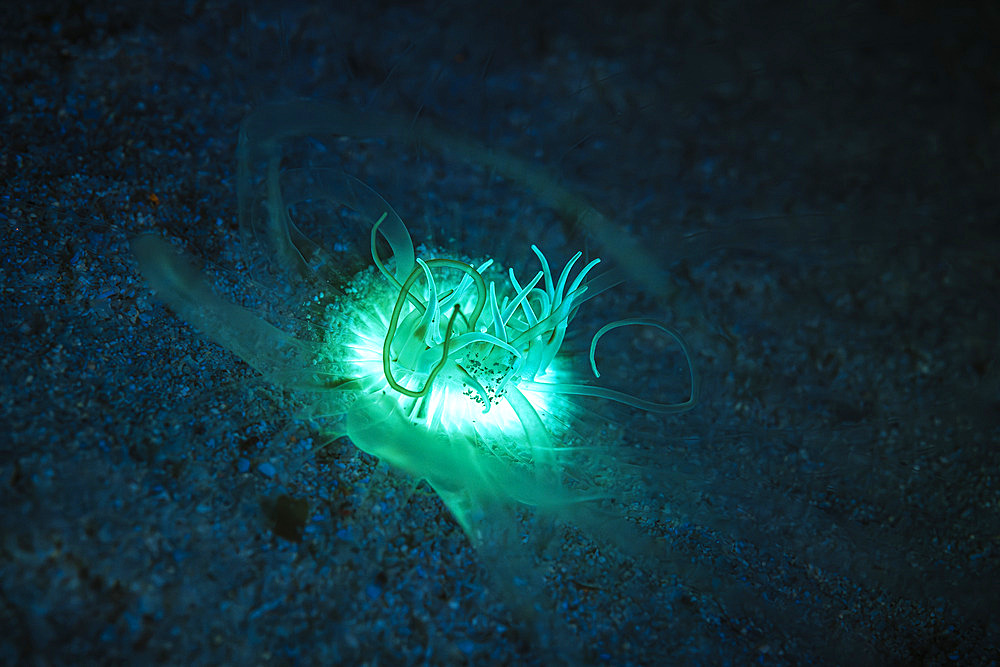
[448, 344]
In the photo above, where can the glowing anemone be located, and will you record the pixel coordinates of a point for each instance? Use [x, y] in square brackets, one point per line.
[453, 353]
[450, 370]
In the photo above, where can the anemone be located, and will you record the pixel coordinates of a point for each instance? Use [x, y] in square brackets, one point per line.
[453, 371]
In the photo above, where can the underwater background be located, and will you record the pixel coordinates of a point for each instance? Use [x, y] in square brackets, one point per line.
[817, 186]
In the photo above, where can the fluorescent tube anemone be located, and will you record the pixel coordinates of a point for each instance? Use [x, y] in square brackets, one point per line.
[462, 357]
[450, 370]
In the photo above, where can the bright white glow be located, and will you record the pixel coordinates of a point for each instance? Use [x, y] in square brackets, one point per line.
[451, 405]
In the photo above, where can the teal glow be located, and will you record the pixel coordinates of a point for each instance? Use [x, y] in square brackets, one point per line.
[457, 370]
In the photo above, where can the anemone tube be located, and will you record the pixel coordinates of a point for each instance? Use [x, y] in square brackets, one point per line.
[435, 365]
